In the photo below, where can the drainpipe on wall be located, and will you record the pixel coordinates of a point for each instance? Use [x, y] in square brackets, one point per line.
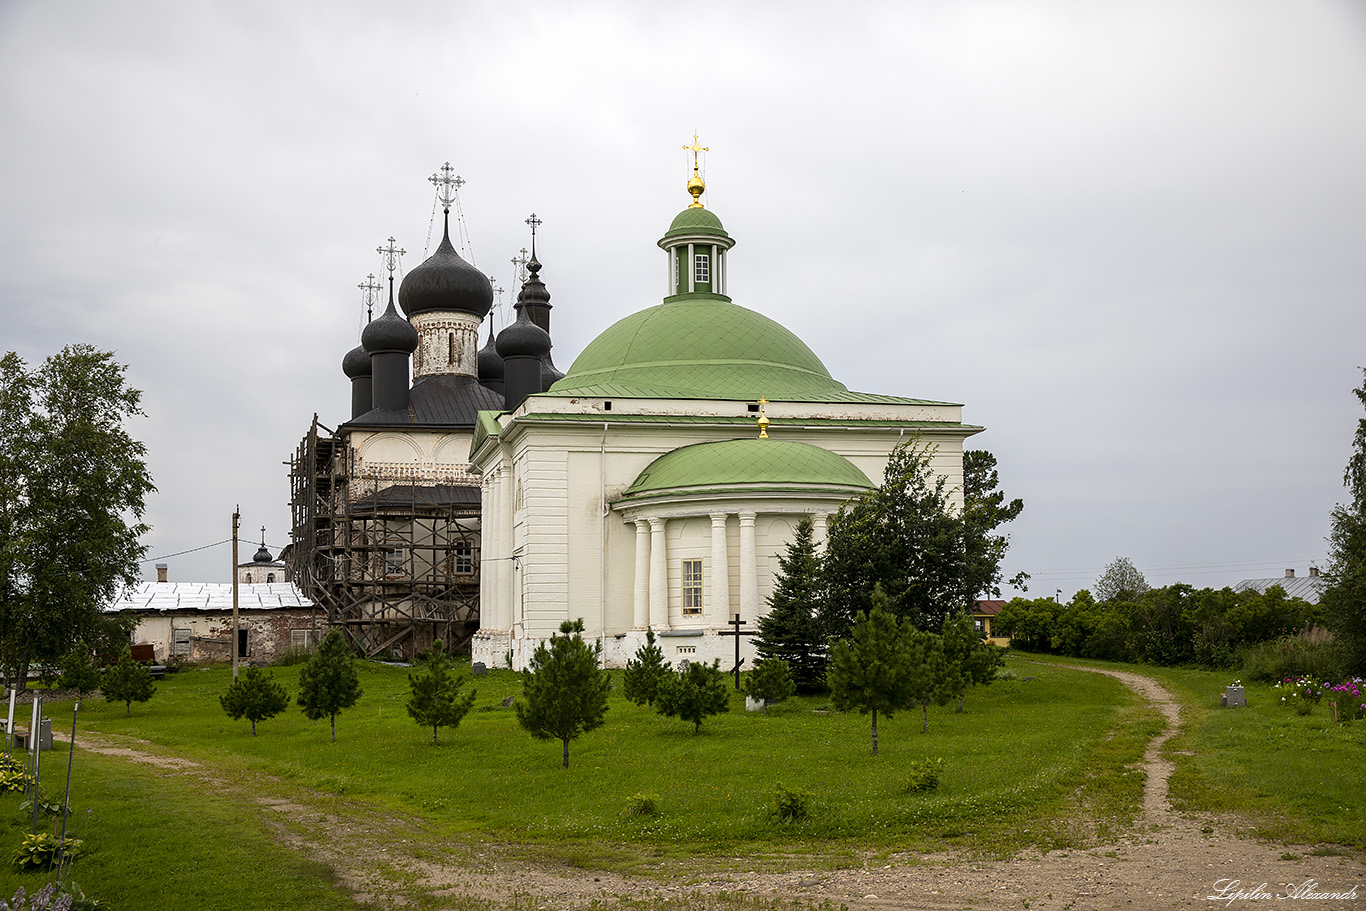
[602, 547]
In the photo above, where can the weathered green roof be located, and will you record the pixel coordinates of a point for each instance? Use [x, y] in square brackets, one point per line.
[701, 346]
[696, 221]
[486, 425]
[766, 463]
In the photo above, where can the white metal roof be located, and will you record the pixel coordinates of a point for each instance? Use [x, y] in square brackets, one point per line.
[210, 596]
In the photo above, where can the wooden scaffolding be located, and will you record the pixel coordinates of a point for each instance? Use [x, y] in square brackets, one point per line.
[394, 564]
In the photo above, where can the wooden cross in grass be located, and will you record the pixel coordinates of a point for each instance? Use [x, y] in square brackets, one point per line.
[737, 633]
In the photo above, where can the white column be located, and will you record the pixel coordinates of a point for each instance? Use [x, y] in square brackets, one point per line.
[659, 576]
[718, 610]
[641, 617]
[692, 270]
[818, 530]
[505, 593]
[749, 570]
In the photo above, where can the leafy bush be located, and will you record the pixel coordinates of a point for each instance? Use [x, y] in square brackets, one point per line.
[1309, 652]
[790, 804]
[693, 693]
[127, 682]
[642, 805]
[39, 852]
[923, 775]
[45, 806]
[13, 775]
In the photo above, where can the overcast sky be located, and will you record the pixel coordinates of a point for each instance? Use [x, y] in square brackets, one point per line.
[1128, 237]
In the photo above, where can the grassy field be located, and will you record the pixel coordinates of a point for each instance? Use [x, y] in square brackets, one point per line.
[1290, 778]
[1045, 761]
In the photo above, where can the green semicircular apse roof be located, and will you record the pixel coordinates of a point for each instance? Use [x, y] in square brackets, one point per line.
[700, 347]
[762, 463]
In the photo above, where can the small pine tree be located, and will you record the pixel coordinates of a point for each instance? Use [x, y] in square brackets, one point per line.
[696, 691]
[645, 672]
[79, 672]
[769, 682]
[789, 630]
[969, 660]
[127, 682]
[328, 682]
[435, 699]
[873, 670]
[565, 691]
[255, 696]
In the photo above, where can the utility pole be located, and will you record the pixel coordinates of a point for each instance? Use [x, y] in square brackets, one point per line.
[236, 516]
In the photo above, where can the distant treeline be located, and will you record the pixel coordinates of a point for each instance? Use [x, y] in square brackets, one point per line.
[1175, 625]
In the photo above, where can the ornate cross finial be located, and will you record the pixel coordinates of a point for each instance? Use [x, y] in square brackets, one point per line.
[695, 148]
[391, 253]
[519, 263]
[263, 536]
[447, 184]
[535, 223]
[370, 289]
[763, 419]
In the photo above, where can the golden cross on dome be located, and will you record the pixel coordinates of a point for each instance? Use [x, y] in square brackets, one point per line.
[763, 419]
[695, 148]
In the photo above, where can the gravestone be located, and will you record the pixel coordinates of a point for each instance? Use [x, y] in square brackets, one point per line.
[479, 668]
[1234, 697]
[507, 701]
[754, 705]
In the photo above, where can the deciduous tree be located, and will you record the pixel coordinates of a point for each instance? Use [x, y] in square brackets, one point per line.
[904, 536]
[73, 486]
[434, 699]
[1121, 581]
[789, 631]
[255, 696]
[984, 510]
[328, 683]
[564, 692]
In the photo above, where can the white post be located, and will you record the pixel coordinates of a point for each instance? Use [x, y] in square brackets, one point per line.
[33, 726]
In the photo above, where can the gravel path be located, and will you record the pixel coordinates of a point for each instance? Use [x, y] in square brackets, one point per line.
[1166, 862]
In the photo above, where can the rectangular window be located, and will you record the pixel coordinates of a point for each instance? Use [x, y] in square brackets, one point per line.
[692, 586]
[701, 267]
[395, 561]
[464, 559]
[303, 640]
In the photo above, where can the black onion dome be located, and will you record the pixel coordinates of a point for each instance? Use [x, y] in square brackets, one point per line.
[533, 291]
[445, 282]
[356, 364]
[390, 332]
[262, 555]
[523, 339]
[490, 364]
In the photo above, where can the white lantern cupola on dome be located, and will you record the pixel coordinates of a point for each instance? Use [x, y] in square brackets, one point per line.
[696, 243]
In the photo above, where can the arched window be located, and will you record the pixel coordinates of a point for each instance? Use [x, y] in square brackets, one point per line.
[270, 577]
[450, 340]
[248, 578]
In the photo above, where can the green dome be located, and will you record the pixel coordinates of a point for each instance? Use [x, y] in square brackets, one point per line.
[763, 463]
[700, 346]
[696, 221]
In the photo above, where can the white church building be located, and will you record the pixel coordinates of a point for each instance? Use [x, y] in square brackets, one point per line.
[657, 483]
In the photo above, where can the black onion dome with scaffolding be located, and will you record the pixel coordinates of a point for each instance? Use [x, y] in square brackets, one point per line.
[491, 367]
